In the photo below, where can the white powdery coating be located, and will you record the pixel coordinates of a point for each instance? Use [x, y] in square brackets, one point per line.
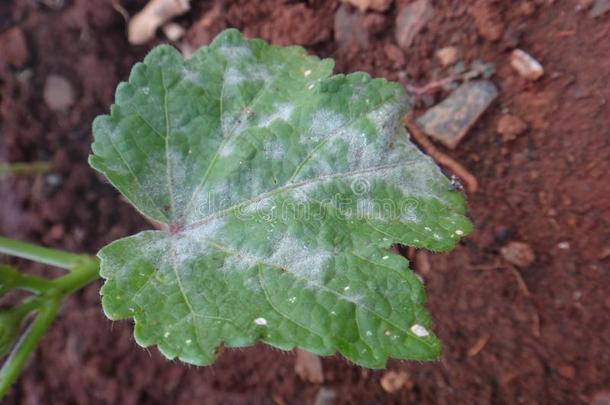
[281, 111]
[305, 263]
[208, 230]
[235, 52]
[412, 179]
[300, 195]
[122, 265]
[228, 148]
[257, 206]
[360, 152]
[323, 124]
[207, 200]
[239, 263]
[419, 330]
[177, 179]
[193, 244]
[191, 76]
[274, 150]
[233, 76]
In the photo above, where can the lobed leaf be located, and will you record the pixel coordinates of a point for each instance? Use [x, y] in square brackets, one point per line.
[280, 189]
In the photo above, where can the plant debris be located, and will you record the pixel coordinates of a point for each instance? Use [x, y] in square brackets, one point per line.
[439, 157]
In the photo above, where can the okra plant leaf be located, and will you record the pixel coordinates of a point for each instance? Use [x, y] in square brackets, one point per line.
[279, 190]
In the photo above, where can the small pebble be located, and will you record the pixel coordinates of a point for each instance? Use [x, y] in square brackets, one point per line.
[447, 56]
[376, 5]
[308, 367]
[58, 93]
[173, 31]
[326, 396]
[526, 65]
[410, 20]
[510, 127]
[518, 253]
[393, 381]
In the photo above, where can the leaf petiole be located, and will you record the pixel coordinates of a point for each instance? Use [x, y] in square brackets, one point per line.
[27, 344]
[82, 270]
[52, 257]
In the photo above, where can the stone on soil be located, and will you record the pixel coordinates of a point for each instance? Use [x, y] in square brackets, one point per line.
[526, 65]
[518, 253]
[449, 121]
[447, 55]
[58, 93]
[410, 20]
[326, 396]
[393, 381]
[308, 367]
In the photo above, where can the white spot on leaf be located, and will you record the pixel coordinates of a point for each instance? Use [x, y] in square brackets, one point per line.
[419, 330]
[260, 321]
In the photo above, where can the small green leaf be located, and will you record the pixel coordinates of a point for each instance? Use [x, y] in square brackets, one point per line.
[280, 189]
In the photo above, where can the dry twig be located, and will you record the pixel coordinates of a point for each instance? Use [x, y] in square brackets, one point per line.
[479, 345]
[439, 157]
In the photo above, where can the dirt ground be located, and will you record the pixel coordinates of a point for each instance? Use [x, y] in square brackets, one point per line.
[539, 334]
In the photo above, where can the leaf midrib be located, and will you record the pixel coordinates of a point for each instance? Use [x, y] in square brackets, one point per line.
[294, 186]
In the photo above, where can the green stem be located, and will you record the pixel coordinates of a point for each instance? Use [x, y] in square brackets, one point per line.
[26, 345]
[80, 276]
[24, 168]
[52, 257]
[83, 270]
[32, 283]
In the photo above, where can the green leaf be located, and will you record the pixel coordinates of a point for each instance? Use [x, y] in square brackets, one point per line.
[280, 189]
